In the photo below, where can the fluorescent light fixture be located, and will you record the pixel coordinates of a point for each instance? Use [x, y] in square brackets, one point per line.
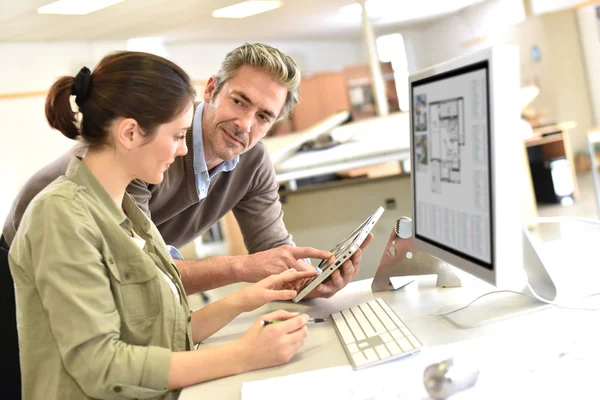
[545, 6]
[76, 7]
[397, 11]
[246, 9]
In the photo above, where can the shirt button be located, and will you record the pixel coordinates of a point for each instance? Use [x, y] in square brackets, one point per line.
[127, 276]
[117, 389]
[110, 260]
[190, 318]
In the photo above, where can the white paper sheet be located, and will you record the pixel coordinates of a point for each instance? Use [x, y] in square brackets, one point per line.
[534, 369]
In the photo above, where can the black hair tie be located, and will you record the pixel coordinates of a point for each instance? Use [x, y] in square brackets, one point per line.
[81, 87]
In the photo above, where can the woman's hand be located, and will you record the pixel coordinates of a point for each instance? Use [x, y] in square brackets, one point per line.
[275, 287]
[275, 344]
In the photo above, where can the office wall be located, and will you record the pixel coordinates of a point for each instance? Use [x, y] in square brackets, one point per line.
[567, 69]
[451, 36]
[560, 73]
[589, 31]
[202, 60]
[26, 141]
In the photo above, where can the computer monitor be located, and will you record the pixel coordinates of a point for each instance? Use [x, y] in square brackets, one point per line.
[467, 159]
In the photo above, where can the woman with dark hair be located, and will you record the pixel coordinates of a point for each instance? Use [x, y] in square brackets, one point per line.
[101, 309]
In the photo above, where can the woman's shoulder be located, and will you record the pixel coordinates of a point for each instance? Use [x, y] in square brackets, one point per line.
[59, 196]
[61, 189]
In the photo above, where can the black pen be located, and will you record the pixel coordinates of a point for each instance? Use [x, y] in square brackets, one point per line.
[310, 321]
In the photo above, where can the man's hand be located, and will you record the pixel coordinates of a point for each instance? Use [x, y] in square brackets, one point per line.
[270, 262]
[342, 276]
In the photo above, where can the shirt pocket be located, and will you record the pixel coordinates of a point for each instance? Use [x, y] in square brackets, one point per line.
[137, 295]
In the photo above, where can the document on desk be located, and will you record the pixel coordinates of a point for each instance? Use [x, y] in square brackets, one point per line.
[532, 370]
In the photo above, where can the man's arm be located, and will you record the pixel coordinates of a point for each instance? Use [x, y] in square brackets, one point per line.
[202, 275]
[213, 272]
[259, 214]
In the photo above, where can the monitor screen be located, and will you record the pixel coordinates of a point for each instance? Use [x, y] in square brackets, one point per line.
[451, 163]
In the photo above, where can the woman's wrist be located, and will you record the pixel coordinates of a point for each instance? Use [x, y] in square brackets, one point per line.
[241, 355]
[235, 302]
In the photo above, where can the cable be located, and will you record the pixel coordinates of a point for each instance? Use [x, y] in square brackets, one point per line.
[531, 221]
[534, 221]
[483, 295]
[522, 294]
[560, 305]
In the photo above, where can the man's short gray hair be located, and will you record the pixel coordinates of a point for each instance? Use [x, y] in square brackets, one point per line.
[265, 58]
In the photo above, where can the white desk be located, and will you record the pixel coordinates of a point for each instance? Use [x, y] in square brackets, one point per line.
[400, 155]
[414, 304]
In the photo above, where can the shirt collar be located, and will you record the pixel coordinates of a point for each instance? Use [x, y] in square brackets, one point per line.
[81, 175]
[198, 148]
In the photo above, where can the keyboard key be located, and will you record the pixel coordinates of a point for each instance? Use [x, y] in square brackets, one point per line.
[382, 351]
[377, 325]
[363, 345]
[391, 313]
[362, 321]
[396, 334]
[386, 337]
[352, 347]
[359, 359]
[405, 331]
[354, 327]
[413, 340]
[404, 344]
[371, 355]
[344, 330]
[389, 325]
[393, 348]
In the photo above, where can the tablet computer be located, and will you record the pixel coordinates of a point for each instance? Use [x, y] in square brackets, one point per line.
[340, 253]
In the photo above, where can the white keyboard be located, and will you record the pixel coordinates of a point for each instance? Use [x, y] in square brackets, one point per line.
[371, 333]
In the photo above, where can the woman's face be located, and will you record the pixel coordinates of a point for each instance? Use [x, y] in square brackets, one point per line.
[154, 157]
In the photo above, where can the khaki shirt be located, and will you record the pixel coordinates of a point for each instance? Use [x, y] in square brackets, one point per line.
[96, 317]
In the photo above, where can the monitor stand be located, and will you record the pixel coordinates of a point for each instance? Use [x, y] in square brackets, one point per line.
[401, 261]
[535, 283]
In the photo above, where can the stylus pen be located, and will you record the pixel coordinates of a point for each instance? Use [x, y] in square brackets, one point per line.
[310, 321]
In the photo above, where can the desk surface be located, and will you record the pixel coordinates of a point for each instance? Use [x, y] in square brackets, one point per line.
[400, 155]
[415, 304]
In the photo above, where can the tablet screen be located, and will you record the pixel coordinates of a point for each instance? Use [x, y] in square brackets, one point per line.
[339, 249]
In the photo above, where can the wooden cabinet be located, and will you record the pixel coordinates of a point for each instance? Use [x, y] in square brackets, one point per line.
[360, 90]
[321, 95]
[325, 93]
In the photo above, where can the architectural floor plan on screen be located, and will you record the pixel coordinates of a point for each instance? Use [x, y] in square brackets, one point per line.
[447, 138]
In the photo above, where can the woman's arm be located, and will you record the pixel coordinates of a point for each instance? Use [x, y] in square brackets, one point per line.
[260, 347]
[215, 316]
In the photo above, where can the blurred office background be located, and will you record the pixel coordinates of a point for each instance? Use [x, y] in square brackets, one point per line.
[354, 90]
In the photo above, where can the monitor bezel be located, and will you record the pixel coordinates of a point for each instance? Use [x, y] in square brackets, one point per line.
[505, 204]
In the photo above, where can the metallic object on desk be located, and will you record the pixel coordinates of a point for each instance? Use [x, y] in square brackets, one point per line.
[445, 379]
[400, 258]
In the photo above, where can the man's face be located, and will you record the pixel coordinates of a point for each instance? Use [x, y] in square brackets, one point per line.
[237, 117]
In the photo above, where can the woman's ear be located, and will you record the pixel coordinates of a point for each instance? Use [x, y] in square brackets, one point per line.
[128, 133]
